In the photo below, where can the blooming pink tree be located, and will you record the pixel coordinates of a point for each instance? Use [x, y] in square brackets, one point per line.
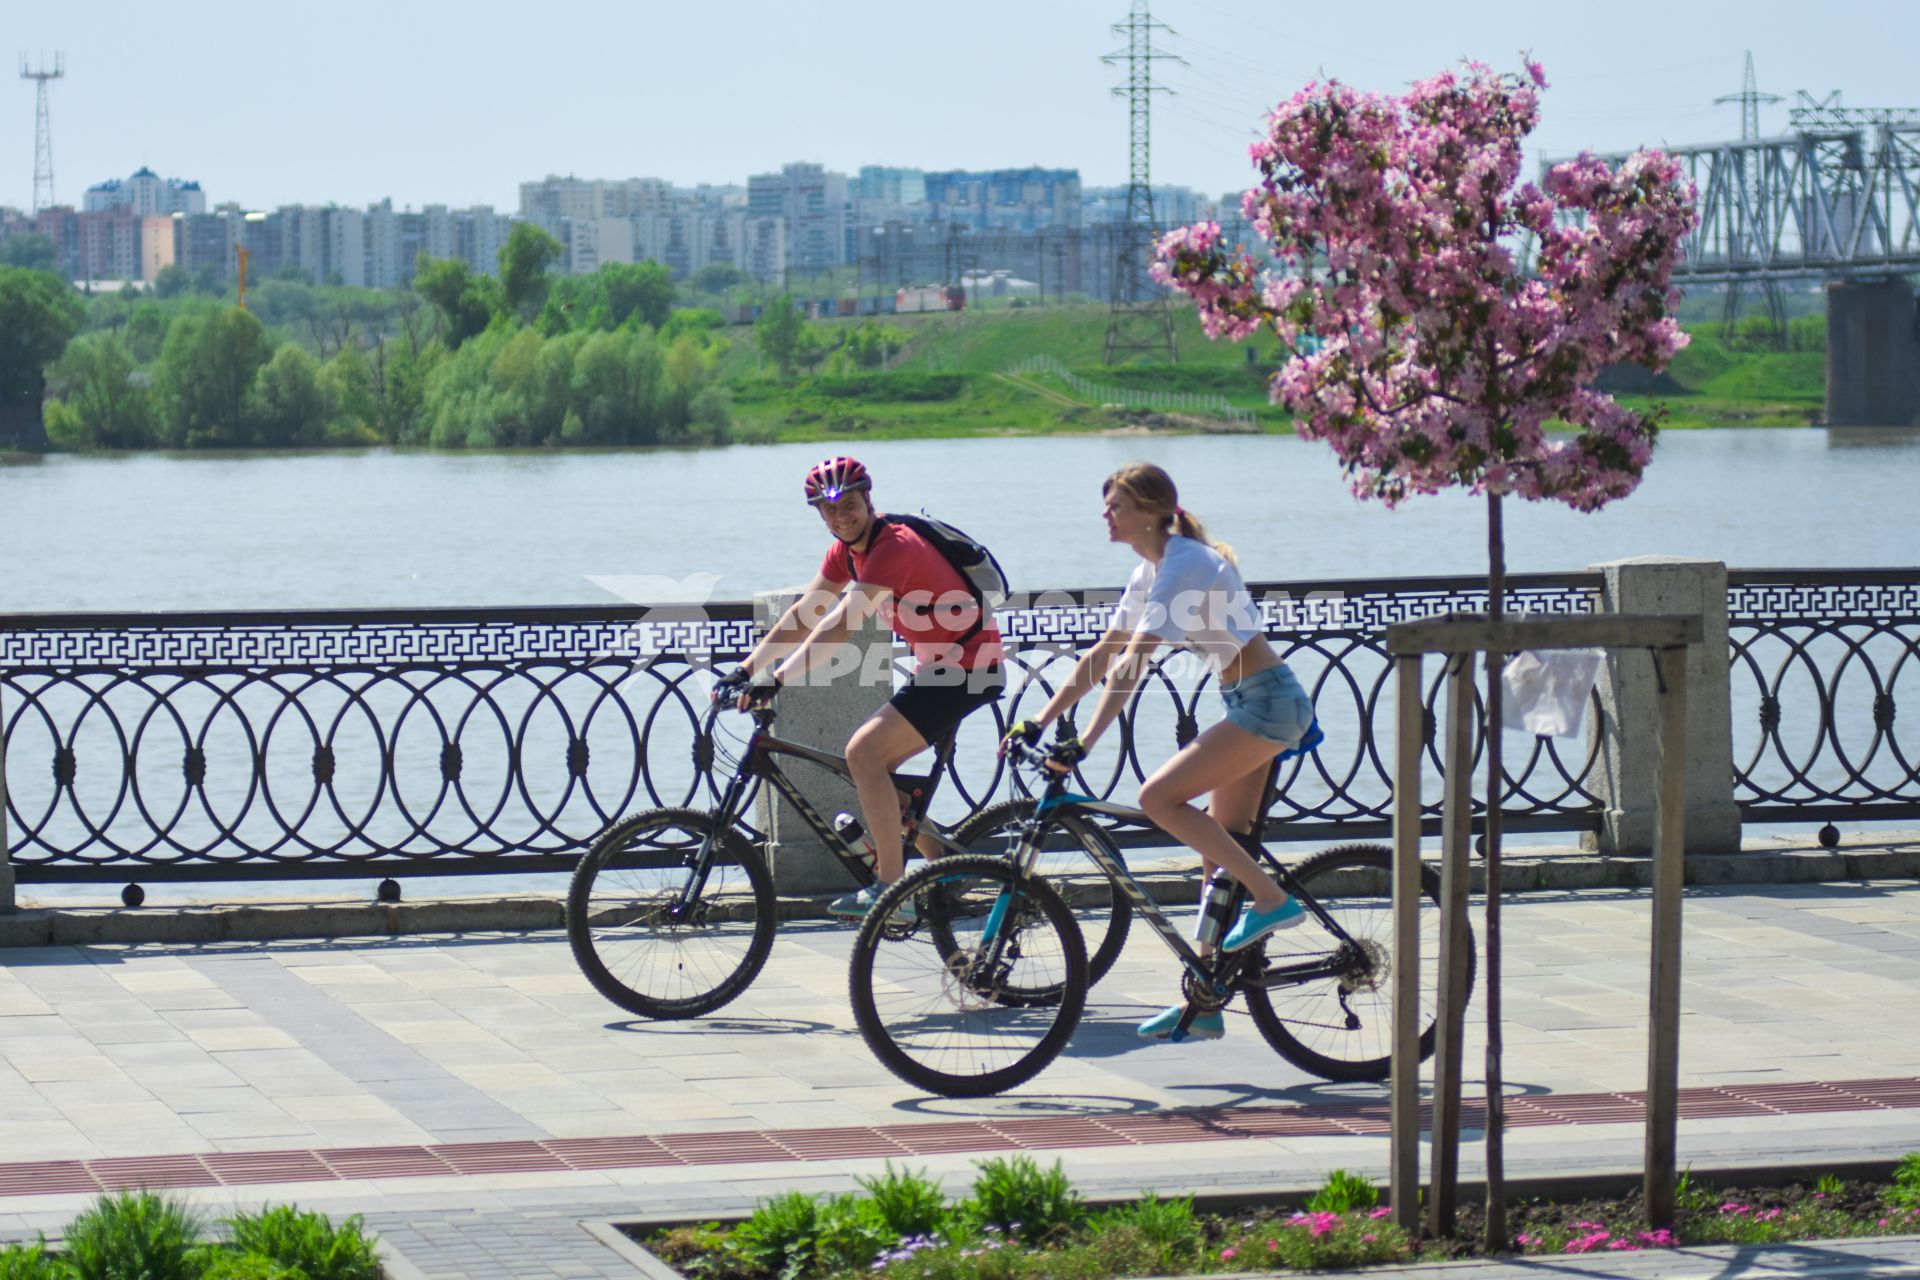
[1424, 350]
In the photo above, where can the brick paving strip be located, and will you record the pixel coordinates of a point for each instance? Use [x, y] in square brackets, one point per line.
[241, 1168]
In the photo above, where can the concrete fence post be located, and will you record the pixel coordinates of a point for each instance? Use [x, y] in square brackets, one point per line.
[822, 711]
[1626, 775]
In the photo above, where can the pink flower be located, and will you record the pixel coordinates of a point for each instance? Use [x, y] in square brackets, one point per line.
[1229, 1254]
[1523, 1239]
[1661, 1239]
[1369, 1238]
[1766, 1216]
[1883, 1222]
[1272, 1245]
[1735, 1207]
[1588, 1243]
[1381, 1212]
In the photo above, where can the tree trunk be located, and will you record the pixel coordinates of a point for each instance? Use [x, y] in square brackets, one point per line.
[1496, 1107]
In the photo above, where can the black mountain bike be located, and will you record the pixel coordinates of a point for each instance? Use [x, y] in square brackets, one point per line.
[983, 987]
[671, 912]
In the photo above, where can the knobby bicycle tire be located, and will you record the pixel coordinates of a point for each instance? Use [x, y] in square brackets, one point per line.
[1305, 1024]
[940, 1019]
[1103, 911]
[634, 950]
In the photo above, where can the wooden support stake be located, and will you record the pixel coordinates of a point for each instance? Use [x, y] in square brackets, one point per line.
[1409, 740]
[1451, 1021]
[1669, 874]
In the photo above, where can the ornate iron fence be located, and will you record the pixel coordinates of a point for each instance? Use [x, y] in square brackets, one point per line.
[293, 746]
[1820, 662]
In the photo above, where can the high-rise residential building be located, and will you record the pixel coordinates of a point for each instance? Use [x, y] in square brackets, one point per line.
[147, 195]
[1030, 199]
[890, 185]
[815, 205]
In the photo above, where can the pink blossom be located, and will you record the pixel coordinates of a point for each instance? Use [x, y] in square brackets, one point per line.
[1660, 1239]
[1381, 1212]
[1369, 1238]
[1766, 1216]
[1323, 1224]
[1735, 1207]
[1435, 359]
[1589, 1242]
[1229, 1254]
[1272, 1245]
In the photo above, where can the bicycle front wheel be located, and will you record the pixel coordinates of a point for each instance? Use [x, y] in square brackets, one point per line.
[1066, 860]
[669, 914]
[1341, 1027]
[957, 1017]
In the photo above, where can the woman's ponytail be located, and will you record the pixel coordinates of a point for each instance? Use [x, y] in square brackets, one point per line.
[1188, 525]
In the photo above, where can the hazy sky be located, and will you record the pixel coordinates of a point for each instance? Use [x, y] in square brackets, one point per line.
[430, 101]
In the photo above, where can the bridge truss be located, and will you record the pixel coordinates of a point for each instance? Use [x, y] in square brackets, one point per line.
[1837, 197]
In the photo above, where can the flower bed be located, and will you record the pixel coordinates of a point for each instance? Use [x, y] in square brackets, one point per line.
[1024, 1223]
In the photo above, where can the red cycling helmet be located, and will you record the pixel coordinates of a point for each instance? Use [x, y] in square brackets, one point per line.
[829, 479]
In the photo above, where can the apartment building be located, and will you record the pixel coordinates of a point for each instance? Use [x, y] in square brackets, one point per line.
[815, 205]
[146, 194]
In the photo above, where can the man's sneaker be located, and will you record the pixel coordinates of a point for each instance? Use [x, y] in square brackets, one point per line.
[855, 905]
[1205, 1025]
[1254, 925]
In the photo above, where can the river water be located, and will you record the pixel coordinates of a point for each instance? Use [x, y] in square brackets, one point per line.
[387, 528]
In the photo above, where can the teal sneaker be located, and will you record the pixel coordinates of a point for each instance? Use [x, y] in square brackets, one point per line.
[1254, 925]
[855, 905]
[1205, 1025]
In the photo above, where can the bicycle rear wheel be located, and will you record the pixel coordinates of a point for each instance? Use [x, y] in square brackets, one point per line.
[1066, 860]
[640, 944]
[957, 1019]
[1342, 1028]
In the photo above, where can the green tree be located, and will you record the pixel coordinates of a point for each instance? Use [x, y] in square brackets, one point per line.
[39, 314]
[172, 281]
[108, 403]
[286, 405]
[465, 301]
[644, 289]
[204, 375]
[524, 261]
[145, 331]
[609, 298]
[30, 250]
[780, 330]
[717, 277]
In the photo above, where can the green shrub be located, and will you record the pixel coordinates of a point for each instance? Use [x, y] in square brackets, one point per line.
[912, 387]
[1165, 1232]
[226, 1264]
[849, 1234]
[29, 1262]
[1343, 1193]
[308, 1242]
[778, 1238]
[135, 1235]
[1906, 1181]
[1016, 1195]
[909, 1203]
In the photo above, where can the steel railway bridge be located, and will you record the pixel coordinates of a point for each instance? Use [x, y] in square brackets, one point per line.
[1836, 199]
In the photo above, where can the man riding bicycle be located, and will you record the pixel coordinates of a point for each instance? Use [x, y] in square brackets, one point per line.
[879, 566]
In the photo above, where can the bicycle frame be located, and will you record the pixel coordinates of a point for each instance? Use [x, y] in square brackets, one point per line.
[761, 760]
[1217, 972]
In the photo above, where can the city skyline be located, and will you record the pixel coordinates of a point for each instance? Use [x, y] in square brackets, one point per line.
[459, 106]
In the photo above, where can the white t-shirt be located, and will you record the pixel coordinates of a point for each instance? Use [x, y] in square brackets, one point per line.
[1193, 597]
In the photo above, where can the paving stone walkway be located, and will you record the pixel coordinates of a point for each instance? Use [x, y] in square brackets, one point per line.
[479, 1102]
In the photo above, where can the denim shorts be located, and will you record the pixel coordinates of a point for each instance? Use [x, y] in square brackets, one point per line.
[1270, 704]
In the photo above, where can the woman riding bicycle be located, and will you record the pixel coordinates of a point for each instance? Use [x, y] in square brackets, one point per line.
[1187, 591]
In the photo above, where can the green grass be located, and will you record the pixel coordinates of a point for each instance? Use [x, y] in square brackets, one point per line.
[1710, 383]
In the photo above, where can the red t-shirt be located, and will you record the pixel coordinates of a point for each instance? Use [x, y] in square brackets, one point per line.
[930, 607]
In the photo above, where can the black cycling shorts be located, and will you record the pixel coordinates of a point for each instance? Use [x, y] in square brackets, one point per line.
[935, 702]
